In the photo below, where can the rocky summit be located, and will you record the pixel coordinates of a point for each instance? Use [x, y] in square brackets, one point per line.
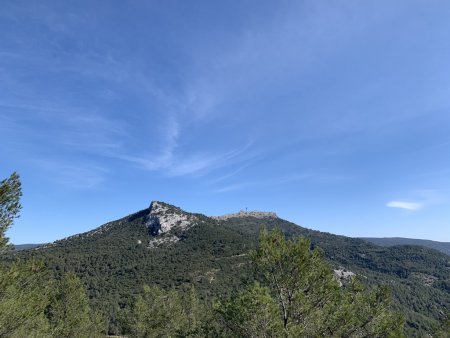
[163, 217]
[245, 213]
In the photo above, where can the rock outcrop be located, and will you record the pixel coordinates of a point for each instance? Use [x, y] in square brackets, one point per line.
[244, 213]
[162, 219]
[343, 276]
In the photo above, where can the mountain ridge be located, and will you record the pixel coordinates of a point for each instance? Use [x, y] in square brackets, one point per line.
[392, 241]
[117, 258]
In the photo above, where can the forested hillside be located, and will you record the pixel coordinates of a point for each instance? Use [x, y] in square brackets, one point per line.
[176, 250]
[25, 246]
[391, 241]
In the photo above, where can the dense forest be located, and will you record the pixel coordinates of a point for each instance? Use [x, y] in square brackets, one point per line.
[392, 241]
[236, 277]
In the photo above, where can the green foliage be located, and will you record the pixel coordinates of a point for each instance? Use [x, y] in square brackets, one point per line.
[69, 312]
[157, 313]
[167, 313]
[304, 298]
[362, 313]
[32, 303]
[213, 257]
[394, 241]
[301, 279]
[25, 291]
[10, 193]
[195, 312]
[402, 268]
[443, 331]
[251, 313]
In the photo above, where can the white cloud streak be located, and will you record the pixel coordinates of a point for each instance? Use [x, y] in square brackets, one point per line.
[423, 198]
[412, 206]
[179, 165]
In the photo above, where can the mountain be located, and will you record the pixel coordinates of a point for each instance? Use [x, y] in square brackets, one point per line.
[167, 246]
[19, 247]
[391, 241]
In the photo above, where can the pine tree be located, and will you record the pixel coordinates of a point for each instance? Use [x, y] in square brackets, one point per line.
[444, 330]
[24, 296]
[69, 312]
[158, 313]
[10, 193]
[304, 299]
[32, 304]
[252, 313]
[194, 313]
[24, 291]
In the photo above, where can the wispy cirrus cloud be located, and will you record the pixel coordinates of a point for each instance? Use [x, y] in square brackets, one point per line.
[72, 175]
[422, 198]
[412, 206]
[231, 173]
[74, 128]
[174, 164]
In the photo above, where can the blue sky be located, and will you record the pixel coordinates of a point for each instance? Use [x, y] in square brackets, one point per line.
[334, 114]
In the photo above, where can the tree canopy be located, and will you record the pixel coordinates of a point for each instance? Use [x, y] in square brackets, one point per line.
[301, 297]
[10, 193]
[32, 302]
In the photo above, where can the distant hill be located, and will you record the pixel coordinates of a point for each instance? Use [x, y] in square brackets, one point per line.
[166, 246]
[20, 247]
[391, 241]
